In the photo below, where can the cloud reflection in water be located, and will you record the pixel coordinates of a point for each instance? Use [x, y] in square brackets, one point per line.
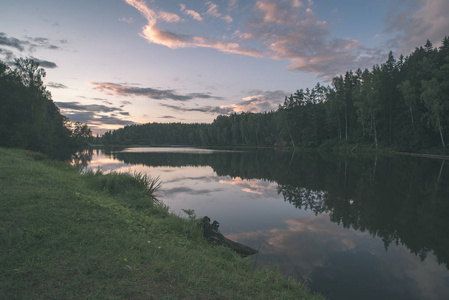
[348, 263]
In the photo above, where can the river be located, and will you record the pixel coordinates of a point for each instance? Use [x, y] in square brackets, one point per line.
[352, 227]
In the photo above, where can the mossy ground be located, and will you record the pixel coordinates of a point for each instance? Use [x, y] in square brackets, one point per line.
[66, 235]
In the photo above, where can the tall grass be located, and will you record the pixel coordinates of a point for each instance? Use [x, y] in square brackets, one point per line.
[117, 182]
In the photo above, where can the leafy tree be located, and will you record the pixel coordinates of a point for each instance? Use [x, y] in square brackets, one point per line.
[436, 104]
[368, 103]
[82, 134]
[410, 96]
[28, 117]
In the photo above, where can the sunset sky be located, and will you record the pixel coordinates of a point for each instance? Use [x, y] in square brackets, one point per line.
[112, 63]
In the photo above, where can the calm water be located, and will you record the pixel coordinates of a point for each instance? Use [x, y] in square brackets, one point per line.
[357, 227]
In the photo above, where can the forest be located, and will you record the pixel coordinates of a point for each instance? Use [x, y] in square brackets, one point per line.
[402, 104]
[29, 118]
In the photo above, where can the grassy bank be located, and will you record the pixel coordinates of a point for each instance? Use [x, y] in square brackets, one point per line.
[64, 235]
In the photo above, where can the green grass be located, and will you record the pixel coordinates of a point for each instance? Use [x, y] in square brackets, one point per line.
[66, 235]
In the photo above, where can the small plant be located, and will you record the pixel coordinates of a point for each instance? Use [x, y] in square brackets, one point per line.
[306, 282]
[190, 214]
[152, 185]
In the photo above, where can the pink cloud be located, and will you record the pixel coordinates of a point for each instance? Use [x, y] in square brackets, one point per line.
[127, 20]
[291, 30]
[168, 17]
[213, 11]
[258, 102]
[194, 15]
[275, 29]
[153, 34]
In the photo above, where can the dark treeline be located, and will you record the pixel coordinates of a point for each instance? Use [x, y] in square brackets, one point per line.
[29, 118]
[401, 104]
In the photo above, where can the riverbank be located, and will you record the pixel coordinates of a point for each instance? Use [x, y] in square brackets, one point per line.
[66, 235]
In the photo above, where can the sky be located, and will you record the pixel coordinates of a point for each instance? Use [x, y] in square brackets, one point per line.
[111, 63]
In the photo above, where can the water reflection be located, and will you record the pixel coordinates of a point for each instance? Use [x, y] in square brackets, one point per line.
[363, 227]
[344, 263]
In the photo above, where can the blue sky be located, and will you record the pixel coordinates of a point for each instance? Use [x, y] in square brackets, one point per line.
[112, 63]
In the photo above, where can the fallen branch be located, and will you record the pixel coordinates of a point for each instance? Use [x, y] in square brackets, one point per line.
[211, 232]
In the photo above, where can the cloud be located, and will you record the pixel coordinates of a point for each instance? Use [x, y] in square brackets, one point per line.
[204, 109]
[8, 55]
[253, 186]
[29, 45]
[335, 258]
[191, 13]
[259, 102]
[56, 85]
[292, 31]
[110, 120]
[127, 20]
[93, 114]
[124, 102]
[86, 107]
[421, 20]
[256, 103]
[213, 11]
[190, 191]
[232, 4]
[13, 42]
[41, 42]
[153, 34]
[45, 63]
[283, 30]
[168, 17]
[90, 118]
[152, 93]
[194, 15]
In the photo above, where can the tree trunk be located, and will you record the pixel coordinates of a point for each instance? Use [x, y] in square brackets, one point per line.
[339, 127]
[375, 135]
[346, 123]
[210, 231]
[291, 138]
[411, 116]
[441, 134]
[441, 170]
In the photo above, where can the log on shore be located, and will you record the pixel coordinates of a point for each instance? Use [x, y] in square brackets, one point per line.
[211, 232]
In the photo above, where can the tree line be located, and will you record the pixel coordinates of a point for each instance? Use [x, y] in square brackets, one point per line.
[29, 118]
[401, 104]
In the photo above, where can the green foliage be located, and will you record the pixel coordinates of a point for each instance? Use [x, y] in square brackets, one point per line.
[82, 134]
[28, 117]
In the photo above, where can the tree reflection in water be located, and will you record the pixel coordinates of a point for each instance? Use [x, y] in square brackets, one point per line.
[399, 199]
